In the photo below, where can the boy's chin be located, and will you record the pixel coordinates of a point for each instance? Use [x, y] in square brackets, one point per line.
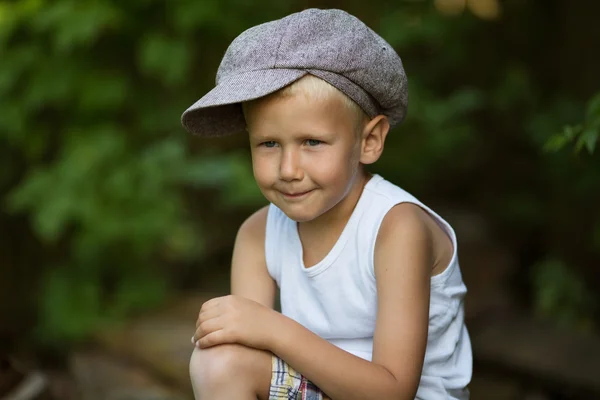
[298, 215]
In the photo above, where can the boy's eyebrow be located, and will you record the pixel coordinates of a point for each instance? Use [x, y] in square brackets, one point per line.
[261, 137]
[304, 135]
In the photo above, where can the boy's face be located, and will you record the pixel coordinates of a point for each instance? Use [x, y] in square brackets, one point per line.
[305, 153]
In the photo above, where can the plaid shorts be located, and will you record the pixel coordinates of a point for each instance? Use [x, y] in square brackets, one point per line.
[288, 384]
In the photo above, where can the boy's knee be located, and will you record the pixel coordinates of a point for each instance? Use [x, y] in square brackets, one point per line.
[220, 364]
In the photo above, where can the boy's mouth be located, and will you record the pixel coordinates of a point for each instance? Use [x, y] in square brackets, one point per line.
[295, 195]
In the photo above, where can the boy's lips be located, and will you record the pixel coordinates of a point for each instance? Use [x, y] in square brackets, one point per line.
[295, 195]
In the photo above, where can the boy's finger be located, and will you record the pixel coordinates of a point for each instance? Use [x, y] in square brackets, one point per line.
[207, 327]
[213, 339]
[206, 315]
[211, 303]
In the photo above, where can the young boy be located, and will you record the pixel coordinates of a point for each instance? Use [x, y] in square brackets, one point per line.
[371, 290]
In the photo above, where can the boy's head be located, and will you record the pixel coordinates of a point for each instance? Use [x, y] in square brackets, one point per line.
[317, 91]
[308, 143]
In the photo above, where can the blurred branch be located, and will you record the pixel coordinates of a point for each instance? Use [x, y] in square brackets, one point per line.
[581, 135]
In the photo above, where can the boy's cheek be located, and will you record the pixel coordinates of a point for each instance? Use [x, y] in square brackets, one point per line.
[264, 174]
[259, 166]
[332, 169]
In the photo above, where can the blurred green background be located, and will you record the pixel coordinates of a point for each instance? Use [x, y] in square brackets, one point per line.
[109, 209]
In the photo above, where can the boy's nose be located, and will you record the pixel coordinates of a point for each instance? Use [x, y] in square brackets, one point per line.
[290, 170]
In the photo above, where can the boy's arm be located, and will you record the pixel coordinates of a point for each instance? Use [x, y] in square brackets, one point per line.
[249, 275]
[403, 261]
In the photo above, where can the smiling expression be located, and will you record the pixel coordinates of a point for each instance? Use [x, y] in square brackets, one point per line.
[305, 152]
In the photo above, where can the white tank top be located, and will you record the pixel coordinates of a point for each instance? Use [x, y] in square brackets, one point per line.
[337, 298]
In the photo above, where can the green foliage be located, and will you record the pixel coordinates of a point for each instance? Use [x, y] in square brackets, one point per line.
[582, 135]
[561, 294]
[75, 304]
[91, 97]
[97, 186]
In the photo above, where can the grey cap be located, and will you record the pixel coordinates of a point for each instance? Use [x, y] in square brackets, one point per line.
[330, 44]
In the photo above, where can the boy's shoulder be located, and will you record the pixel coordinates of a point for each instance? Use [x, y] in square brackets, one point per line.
[408, 224]
[410, 233]
[253, 229]
[404, 219]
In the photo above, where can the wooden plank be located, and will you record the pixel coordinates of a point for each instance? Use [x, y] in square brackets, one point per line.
[162, 341]
[538, 350]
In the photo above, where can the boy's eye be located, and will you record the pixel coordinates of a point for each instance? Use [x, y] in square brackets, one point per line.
[313, 142]
[269, 143]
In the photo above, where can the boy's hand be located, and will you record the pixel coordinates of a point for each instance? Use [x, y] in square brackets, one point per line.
[234, 319]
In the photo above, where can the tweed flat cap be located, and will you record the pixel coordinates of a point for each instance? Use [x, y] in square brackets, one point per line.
[330, 44]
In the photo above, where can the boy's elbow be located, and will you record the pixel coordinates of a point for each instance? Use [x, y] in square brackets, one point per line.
[403, 388]
[393, 392]
[402, 392]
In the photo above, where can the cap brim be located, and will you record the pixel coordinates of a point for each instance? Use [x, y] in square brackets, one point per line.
[219, 112]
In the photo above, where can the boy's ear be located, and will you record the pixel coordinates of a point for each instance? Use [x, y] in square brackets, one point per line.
[373, 139]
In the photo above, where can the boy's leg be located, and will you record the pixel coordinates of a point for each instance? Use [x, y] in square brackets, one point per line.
[230, 371]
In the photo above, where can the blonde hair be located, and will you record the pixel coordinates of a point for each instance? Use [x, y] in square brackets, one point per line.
[318, 89]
